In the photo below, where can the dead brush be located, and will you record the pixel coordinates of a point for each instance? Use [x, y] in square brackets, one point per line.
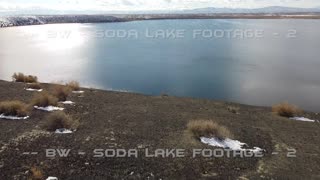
[59, 120]
[31, 79]
[61, 92]
[20, 77]
[14, 108]
[36, 174]
[73, 85]
[208, 128]
[286, 110]
[44, 99]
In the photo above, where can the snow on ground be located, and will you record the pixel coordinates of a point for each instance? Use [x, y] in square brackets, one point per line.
[2, 116]
[52, 178]
[49, 108]
[303, 119]
[4, 19]
[30, 89]
[63, 131]
[77, 92]
[66, 102]
[228, 143]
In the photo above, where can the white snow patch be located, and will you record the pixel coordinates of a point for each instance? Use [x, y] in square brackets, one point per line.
[52, 178]
[30, 89]
[3, 19]
[2, 116]
[77, 92]
[303, 119]
[49, 108]
[63, 131]
[66, 102]
[228, 143]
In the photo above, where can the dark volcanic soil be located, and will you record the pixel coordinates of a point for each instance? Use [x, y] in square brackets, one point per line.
[114, 120]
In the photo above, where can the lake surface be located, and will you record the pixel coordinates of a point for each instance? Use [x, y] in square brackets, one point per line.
[257, 62]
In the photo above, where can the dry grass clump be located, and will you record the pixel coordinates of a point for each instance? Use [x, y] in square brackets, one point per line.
[36, 174]
[34, 86]
[14, 108]
[31, 79]
[61, 92]
[207, 128]
[74, 85]
[20, 77]
[286, 110]
[233, 109]
[44, 99]
[58, 120]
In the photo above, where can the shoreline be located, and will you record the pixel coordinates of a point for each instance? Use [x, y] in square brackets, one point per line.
[167, 95]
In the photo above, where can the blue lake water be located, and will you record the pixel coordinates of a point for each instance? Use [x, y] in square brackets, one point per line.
[257, 62]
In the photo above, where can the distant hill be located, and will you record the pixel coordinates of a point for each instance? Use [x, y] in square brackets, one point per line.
[21, 19]
[272, 9]
[266, 10]
[53, 19]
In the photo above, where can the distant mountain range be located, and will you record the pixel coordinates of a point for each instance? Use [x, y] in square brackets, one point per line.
[209, 10]
[22, 20]
[40, 16]
[271, 9]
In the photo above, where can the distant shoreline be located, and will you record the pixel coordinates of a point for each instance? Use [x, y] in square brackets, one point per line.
[25, 20]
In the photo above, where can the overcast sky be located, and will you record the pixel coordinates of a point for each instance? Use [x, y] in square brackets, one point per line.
[109, 5]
